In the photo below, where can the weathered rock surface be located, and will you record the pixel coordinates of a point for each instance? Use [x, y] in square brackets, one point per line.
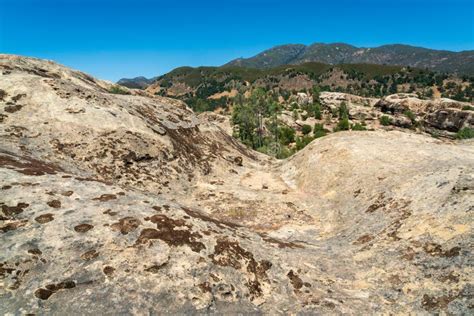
[450, 119]
[333, 100]
[442, 114]
[128, 204]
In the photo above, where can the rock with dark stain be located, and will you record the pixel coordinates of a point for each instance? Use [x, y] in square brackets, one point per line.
[35, 251]
[13, 226]
[13, 108]
[231, 254]
[126, 225]
[54, 203]
[434, 249]
[50, 289]
[173, 232]
[433, 303]
[154, 268]
[238, 161]
[89, 255]
[105, 197]
[45, 218]
[27, 166]
[185, 258]
[82, 228]
[14, 210]
[109, 271]
[295, 280]
[43, 294]
[363, 239]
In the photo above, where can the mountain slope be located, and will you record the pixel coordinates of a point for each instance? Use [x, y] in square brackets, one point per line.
[136, 83]
[403, 55]
[279, 55]
[131, 204]
[216, 86]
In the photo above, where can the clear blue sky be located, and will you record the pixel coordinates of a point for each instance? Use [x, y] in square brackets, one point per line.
[112, 39]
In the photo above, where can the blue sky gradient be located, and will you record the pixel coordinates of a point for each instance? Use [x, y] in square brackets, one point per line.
[112, 39]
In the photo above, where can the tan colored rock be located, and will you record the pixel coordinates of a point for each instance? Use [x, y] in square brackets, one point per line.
[190, 221]
[332, 100]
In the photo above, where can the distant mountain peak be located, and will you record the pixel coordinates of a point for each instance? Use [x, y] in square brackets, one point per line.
[139, 82]
[337, 53]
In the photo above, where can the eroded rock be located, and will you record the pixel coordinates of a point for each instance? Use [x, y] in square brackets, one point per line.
[356, 223]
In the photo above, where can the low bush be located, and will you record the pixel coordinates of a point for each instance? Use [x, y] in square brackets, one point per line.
[385, 120]
[287, 135]
[343, 124]
[358, 127]
[410, 115]
[465, 133]
[319, 130]
[306, 129]
[301, 142]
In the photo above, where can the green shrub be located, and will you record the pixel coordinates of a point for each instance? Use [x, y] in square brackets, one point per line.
[465, 133]
[318, 127]
[385, 120]
[343, 124]
[319, 134]
[410, 115]
[287, 135]
[295, 114]
[306, 129]
[319, 130]
[118, 90]
[201, 106]
[468, 108]
[285, 152]
[301, 142]
[435, 134]
[343, 110]
[358, 127]
[317, 111]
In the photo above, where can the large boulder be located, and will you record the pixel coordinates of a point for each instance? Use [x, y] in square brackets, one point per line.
[450, 119]
[442, 114]
[333, 100]
[301, 98]
[401, 102]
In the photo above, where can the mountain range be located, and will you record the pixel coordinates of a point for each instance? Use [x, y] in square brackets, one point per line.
[137, 82]
[341, 53]
[461, 63]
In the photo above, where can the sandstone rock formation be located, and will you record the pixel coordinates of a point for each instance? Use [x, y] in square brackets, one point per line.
[441, 114]
[438, 116]
[131, 204]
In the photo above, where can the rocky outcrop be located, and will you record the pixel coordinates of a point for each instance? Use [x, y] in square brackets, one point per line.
[441, 114]
[333, 100]
[301, 98]
[130, 204]
[450, 119]
[134, 140]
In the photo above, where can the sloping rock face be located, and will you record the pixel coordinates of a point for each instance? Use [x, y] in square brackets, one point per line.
[127, 204]
[131, 140]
